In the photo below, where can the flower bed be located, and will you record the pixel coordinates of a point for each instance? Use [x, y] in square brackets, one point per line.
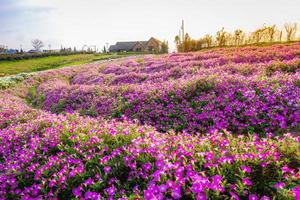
[66, 156]
[239, 89]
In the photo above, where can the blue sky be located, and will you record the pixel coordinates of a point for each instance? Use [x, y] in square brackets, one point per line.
[97, 22]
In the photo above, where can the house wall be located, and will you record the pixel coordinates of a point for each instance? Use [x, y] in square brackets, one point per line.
[138, 47]
[153, 45]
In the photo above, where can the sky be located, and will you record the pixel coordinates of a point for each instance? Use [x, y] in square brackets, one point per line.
[76, 23]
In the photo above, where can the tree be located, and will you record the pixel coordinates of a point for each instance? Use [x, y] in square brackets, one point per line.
[258, 35]
[104, 49]
[280, 36]
[37, 44]
[178, 43]
[221, 37]
[164, 47]
[271, 32]
[187, 45]
[238, 37]
[207, 40]
[290, 30]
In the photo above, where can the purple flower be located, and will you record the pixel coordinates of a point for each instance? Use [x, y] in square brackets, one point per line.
[246, 182]
[107, 169]
[111, 191]
[296, 192]
[163, 188]
[265, 198]
[76, 191]
[176, 194]
[159, 164]
[217, 178]
[147, 166]
[252, 197]
[197, 188]
[245, 169]
[201, 196]
[263, 164]
[170, 183]
[279, 185]
[148, 195]
[92, 195]
[234, 196]
[89, 181]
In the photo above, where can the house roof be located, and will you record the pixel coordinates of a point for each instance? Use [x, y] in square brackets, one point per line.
[125, 46]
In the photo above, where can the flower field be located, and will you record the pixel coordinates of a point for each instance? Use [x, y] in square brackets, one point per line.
[216, 124]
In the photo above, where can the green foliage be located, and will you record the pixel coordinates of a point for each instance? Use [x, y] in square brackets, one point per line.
[6, 82]
[59, 107]
[297, 83]
[164, 47]
[90, 112]
[14, 57]
[196, 87]
[280, 66]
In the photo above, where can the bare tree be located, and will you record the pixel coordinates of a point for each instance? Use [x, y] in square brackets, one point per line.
[37, 44]
[290, 30]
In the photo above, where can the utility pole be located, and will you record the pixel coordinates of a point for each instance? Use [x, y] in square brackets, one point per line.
[182, 31]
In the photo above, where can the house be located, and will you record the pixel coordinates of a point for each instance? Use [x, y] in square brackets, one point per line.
[152, 45]
[9, 51]
[34, 51]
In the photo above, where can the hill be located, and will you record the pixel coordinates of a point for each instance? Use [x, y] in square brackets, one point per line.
[215, 124]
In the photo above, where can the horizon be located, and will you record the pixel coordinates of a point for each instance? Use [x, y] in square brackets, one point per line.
[74, 23]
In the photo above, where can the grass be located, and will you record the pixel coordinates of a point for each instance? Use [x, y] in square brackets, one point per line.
[51, 62]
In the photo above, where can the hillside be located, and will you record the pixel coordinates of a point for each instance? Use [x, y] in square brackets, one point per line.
[216, 124]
